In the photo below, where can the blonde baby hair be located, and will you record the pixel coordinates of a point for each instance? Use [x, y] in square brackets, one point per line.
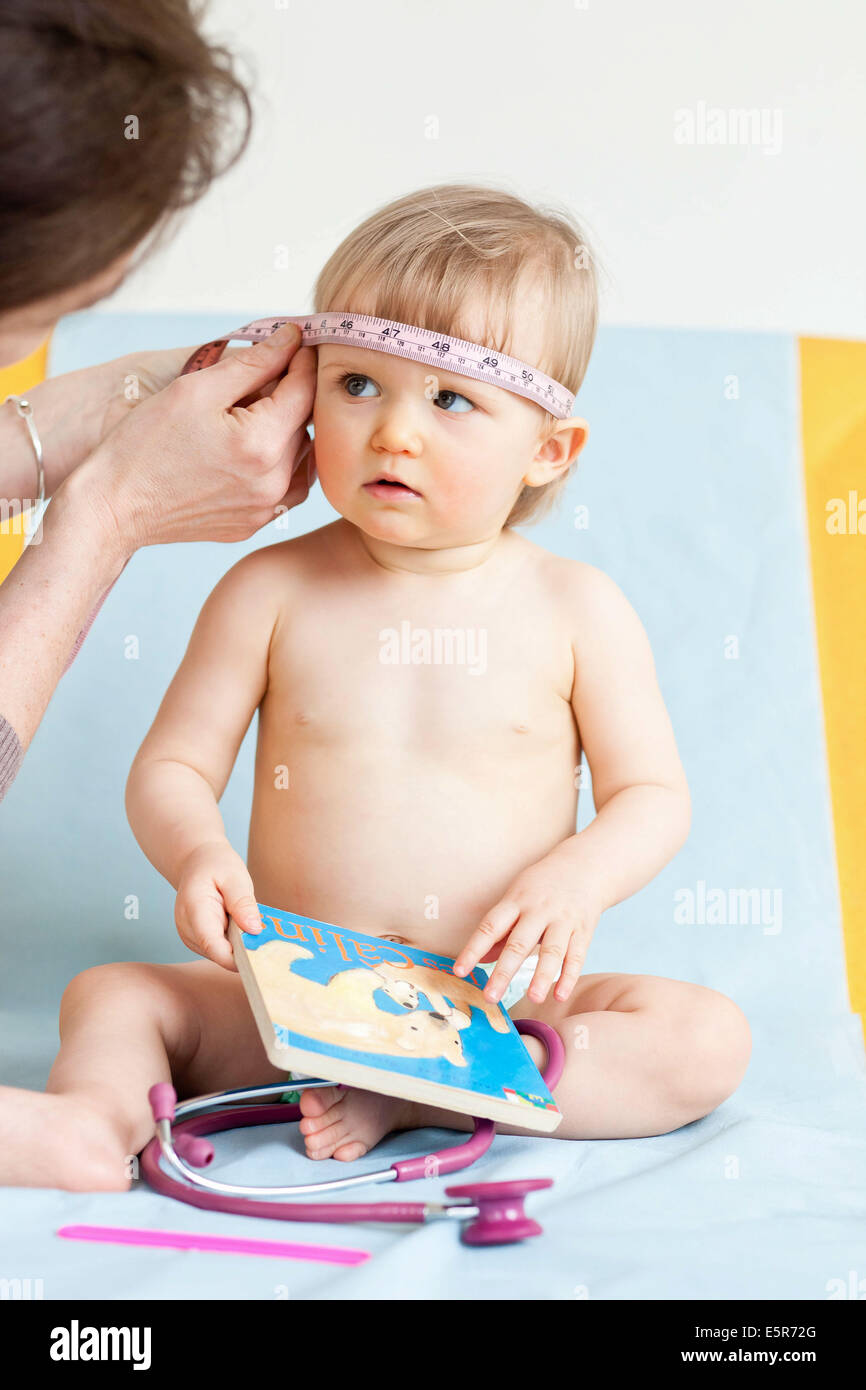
[423, 257]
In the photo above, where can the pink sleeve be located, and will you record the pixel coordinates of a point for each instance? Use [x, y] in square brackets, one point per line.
[79, 641]
[11, 756]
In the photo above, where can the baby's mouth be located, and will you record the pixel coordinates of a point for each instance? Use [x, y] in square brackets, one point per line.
[387, 487]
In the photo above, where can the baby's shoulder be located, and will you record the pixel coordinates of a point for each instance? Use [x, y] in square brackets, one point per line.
[581, 587]
[285, 564]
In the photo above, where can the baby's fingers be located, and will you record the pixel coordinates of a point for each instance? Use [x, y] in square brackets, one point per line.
[520, 944]
[240, 901]
[575, 959]
[559, 944]
[499, 920]
[201, 921]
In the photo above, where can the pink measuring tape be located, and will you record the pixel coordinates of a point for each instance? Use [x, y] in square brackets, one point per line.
[405, 340]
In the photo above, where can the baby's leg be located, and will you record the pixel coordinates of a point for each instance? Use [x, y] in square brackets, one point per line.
[643, 1055]
[124, 1027]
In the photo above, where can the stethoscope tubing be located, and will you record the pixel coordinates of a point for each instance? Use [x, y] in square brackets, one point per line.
[208, 1115]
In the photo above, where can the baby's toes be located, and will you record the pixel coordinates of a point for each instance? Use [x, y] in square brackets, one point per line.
[316, 1104]
[347, 1153]
[323, 1142]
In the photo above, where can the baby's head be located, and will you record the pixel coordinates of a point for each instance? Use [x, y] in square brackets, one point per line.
[475, 263]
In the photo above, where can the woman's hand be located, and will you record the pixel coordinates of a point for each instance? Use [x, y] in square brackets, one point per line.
[214, 885]
[76, 410]
[140, 375]
[212, 456]
[544, 905]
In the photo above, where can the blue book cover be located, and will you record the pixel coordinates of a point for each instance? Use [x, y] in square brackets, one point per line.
[335, 1003]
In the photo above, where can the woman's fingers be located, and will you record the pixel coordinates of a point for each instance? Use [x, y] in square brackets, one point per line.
[240, 373]
[190, 464]
[273, 422]
[297, 491]
[297, 387]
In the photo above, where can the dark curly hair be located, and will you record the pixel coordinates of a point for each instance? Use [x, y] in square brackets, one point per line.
[78, 78]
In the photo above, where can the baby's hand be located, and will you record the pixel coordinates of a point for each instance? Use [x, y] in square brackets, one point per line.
[214, 885]
[543, 905]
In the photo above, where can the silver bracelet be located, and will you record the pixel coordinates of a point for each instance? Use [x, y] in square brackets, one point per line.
[25, 410]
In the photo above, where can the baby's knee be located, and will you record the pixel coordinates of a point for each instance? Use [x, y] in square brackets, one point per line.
[715, 1046]
[117, 986]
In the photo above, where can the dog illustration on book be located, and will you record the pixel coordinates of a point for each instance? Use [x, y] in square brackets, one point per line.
[343, 1011]
[454, 998]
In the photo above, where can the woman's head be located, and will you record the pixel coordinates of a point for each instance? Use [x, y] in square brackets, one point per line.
[114, 114]
[480, 264]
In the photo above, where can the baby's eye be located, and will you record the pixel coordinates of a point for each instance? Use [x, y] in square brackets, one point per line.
[354, 383]
[446, 399]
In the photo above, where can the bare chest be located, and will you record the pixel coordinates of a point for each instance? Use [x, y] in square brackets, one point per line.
[437, 677]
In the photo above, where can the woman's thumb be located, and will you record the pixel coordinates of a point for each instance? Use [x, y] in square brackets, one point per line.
[251, 367]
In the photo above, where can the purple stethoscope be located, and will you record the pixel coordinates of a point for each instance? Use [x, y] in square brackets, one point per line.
[489, 1213]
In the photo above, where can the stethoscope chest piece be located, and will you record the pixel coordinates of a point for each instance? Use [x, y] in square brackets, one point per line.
[501, 1218]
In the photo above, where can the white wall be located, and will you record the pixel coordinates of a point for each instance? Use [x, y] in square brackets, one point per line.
[570, 100]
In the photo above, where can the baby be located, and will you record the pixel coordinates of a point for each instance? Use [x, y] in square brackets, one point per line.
[428, 802]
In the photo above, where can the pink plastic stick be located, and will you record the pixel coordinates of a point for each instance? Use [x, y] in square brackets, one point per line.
[225, 1245]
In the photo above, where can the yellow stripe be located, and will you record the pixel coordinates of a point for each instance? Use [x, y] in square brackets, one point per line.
[833, 393]
[16, 381]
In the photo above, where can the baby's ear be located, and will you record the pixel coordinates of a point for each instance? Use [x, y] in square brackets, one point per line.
[557, 452]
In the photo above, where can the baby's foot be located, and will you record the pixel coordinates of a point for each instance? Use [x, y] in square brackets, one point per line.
[345, 1123]
[52, 1140]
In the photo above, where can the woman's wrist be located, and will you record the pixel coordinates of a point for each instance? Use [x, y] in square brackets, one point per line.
[19, 479]
[75, 411]
[68, 412]
[80, 506]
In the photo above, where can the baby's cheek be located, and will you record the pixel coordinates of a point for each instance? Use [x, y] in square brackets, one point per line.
[333, 454]
[464, 478]
[476, 491]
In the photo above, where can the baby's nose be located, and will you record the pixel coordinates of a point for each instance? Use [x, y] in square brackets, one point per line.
[398, 432]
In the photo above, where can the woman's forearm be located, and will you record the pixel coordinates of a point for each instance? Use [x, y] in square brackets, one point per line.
[47, 599]
[74, 412]
[68, 412]
[187, 464]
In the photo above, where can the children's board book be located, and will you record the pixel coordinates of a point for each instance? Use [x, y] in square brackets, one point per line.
[334, 1003]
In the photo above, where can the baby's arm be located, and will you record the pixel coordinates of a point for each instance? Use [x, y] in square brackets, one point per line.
[639, 788]
[641, 799]
[184, 763]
